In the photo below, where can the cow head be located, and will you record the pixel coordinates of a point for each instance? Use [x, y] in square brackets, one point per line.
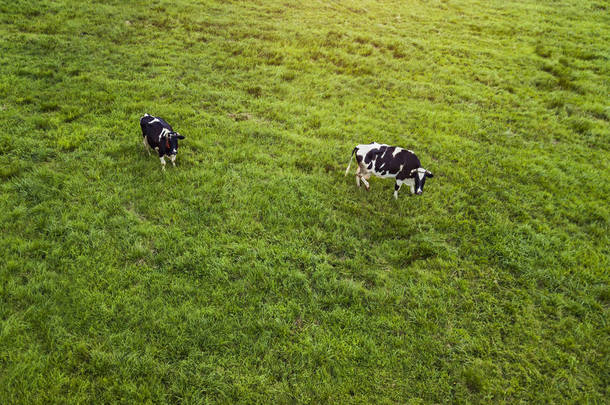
[419, 178]
[172, 142]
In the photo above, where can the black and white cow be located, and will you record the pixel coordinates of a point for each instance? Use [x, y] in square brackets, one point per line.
[389, 162]
[160, 136]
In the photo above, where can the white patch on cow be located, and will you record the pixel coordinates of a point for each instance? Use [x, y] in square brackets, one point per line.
[164, 132]
[364, 149]
[410, 151]
[162, 162]
[173, 159]
[396, 151]
[381, 167]
[411, 183]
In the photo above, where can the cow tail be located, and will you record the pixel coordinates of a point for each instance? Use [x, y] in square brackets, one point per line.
[350, 161]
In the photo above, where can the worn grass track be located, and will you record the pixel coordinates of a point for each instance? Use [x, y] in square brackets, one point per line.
[255, 271]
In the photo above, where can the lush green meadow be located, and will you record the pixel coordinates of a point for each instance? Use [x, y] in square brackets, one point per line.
[254, 271]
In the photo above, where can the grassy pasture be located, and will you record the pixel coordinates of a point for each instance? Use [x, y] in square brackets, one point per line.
[254, 271]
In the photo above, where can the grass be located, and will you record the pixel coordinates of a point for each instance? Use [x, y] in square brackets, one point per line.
[254, 271]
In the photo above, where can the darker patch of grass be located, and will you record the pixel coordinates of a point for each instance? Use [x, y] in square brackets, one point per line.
[314, 122]
[543, 51]
[304, 165]
[546, 83]
[603, 294]
[44, 123]
[37, 73]
[398, 53]
[582, 53]
[255, 91]
[271, 57]
[161, 22]
[563, 77]
[288, 75]
[579, 125]
[49, 106]
[474, 378]
[9, 170]
[556, 102]
[599, 6]
[333, 39]
[600, 112]
[264, 137]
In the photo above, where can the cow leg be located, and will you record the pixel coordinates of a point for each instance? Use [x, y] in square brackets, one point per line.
[412, 186]
[364, 180]
[162, 162]
[173, 159]
[366, 183]
[396, 188]
[146, 146]
[361, 174]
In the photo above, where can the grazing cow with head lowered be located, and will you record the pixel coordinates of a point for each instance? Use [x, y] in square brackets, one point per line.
[160, 136]
[389, 162]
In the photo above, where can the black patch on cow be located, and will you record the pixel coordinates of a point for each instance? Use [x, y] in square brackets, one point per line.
[419, 184]
[372, 154]
[385, 161]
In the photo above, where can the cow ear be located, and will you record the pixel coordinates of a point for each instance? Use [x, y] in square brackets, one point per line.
[429, 174]
[180, 137]
[412, 173]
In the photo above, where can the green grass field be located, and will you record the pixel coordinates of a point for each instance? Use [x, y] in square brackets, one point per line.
[254, 271]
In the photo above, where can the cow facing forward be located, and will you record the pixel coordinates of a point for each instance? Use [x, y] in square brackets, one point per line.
[389, 162]
[160, 136]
